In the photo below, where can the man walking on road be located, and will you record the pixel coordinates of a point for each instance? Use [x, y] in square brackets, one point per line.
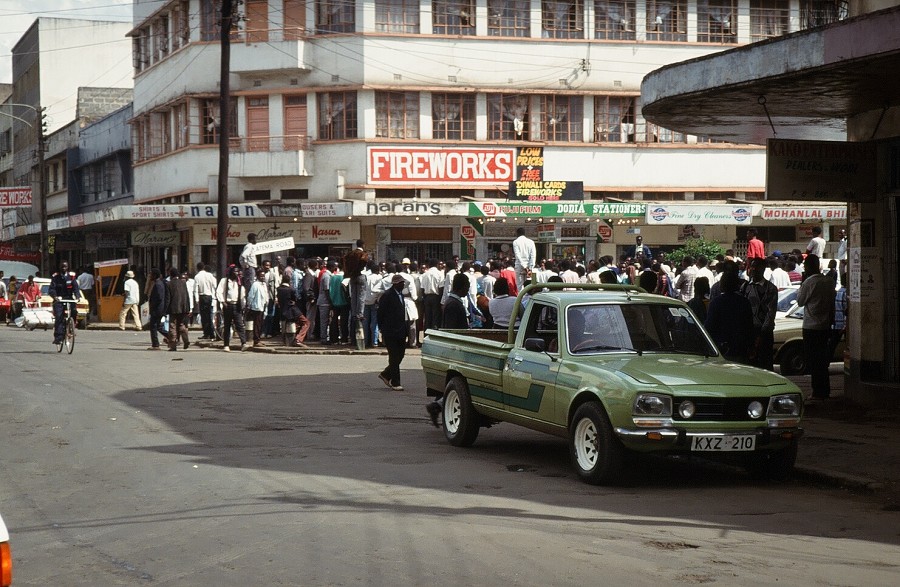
[179, 309]
[526, 257]
[157, 299]
[248, 262]
[205, 289]
[763, 296]
[394, 331]
[131, 303]
[816, 295]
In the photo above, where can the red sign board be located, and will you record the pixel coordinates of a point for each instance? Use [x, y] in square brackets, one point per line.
[15, 197]
[8, 253]
[398, 165]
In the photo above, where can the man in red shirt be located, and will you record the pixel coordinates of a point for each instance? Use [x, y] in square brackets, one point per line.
[755, 248]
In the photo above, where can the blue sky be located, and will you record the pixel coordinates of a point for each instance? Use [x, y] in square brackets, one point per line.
[17, 15]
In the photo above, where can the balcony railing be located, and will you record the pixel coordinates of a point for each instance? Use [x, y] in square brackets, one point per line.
[254, 35]
[766, 23]
[273, 144]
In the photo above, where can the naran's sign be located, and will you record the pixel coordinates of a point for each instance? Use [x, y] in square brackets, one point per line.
[408, 165]
[15, 197]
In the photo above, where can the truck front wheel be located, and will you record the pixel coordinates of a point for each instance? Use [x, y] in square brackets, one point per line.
[597, 454]
[460, 419]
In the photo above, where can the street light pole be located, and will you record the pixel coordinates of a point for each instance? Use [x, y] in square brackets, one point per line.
[224, 135]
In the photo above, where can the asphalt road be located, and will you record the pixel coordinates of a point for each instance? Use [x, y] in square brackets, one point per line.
[120, 466]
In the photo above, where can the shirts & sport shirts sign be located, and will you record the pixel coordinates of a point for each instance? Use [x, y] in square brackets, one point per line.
[405, 165]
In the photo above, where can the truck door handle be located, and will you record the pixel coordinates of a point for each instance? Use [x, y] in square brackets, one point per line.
[517, 359]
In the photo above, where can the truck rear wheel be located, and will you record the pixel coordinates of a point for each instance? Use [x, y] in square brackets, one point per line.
[460, 419]
[596, 453]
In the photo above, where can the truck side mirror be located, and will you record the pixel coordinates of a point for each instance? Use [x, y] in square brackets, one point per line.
[536, 345]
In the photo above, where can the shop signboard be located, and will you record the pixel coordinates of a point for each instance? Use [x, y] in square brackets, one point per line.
[401, 207]
[9, 253]
[699, 214]
[282, 244]
[530, 164]
[545, 191]
[556, 210]
[183, 211]
[153, 238]
[803, 213]
[438, 165]
[15, 197]
[300, 232]
[548, 233]
[327, 210]
[830, 171]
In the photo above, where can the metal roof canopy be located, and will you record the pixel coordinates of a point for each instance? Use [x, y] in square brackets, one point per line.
[809, 83]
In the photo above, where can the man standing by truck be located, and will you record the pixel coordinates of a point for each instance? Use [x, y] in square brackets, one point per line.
[526, 257]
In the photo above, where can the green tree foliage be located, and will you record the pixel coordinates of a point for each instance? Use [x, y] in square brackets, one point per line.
[696, 247]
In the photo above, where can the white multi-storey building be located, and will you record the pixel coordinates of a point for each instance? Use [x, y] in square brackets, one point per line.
[401, 121]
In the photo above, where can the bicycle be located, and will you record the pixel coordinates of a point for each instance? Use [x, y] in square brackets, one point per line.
[69, 337]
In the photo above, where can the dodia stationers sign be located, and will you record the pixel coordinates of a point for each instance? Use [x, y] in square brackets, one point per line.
[828, 171]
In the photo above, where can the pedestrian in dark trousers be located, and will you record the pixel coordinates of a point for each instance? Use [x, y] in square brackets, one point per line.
[763, 297]
[729, 320]
[179, 309]
[816, 295]
[231, 296]
[394, 330]
[157, 300]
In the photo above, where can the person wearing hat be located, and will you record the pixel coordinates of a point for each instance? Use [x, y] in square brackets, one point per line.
[394, 330]
[131, 303]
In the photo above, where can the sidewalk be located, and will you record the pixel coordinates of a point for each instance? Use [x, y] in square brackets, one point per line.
[844, 445]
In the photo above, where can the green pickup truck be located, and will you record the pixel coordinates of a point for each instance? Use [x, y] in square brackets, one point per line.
[612, 369]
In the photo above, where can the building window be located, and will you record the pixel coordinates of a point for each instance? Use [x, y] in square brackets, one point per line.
[397, 16]
[509, 18]
[181, 130]
[210, 119]
[295, 132]
[667, 20]
[397, 115]
[658, 134]
[768, 18]
[5, 142]
[256, 195]
[452, 194]
[294, 19]
[562, 19]
[562, 118]
[614, 19]
[815, 13]
[337, 116]
[614, 119]
[335, 16]
[453, 116]
[181, 25]
[161, 37]
[396, 193]
[210, 19]
[508, 117]
[717, 21]
[453, 17]
[294, 194]
[663, 196]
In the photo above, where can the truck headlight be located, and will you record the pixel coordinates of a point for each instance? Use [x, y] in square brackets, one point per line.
[652, 404]
[784, 406]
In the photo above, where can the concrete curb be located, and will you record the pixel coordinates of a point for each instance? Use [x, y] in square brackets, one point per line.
[837, 478]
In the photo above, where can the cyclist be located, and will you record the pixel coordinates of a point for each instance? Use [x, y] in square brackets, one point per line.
[63, 286]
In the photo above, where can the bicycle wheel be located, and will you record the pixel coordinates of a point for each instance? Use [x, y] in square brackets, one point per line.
[70, 335]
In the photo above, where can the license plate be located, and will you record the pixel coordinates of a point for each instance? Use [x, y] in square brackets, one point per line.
[723, 443]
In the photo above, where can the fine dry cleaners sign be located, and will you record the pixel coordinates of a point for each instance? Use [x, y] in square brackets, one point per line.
[820, 170]
[399, 165]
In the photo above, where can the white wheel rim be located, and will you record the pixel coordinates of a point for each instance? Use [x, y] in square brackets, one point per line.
[452, 412]
[585, 443]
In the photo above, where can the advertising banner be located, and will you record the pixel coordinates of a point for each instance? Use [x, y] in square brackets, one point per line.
[546, 191]
[150, 238]
[282, 244]
[803, 213]
[699, 214]
[302, 233]
[557, 209]
[451, 165]
[15, 197]
[820, 170]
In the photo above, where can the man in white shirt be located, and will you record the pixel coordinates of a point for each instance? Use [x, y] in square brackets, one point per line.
[567, 274]
[131, 303]
[431, 281]
[684, 284]
[526, 255]
[778, 276]
[841, 254]
[204, 290]
[248, 262]
[817, 245]
[86, 285]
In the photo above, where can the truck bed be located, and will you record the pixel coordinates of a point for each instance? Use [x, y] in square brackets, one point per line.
[478, 354]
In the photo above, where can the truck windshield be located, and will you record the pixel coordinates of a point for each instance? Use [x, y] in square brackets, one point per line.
[604, 328]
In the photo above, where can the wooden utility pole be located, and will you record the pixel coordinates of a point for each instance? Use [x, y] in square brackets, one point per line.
[224, 135]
